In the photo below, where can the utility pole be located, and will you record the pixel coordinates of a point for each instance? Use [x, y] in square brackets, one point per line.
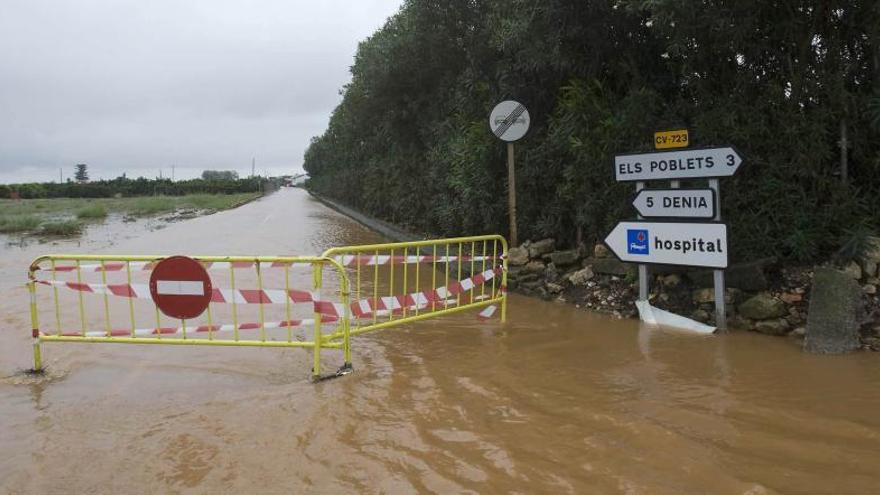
[172, 173]
[60, 175]
[253, 165]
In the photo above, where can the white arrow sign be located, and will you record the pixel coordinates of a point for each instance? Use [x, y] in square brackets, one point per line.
[683, 164]
[679, 203]
[667, 243]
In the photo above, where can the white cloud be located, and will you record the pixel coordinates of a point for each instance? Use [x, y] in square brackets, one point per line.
[133, 86]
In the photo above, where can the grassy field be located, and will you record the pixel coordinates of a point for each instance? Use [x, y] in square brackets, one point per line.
[65, 216]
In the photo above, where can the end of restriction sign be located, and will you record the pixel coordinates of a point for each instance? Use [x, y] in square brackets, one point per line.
[509, 121]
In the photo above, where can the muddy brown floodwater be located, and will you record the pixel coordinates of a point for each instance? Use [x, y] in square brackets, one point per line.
[557, 400]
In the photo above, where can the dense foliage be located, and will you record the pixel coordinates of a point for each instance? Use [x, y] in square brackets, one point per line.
[220, 175]
[784, 81]
[125, 187]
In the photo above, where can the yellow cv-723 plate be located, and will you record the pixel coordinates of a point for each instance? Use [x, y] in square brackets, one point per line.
[671, 139]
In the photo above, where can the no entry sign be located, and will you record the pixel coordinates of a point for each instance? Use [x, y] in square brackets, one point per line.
[180, 287]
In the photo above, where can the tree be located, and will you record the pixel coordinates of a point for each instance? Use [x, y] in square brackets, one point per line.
[220, 175]
[793, 84]
[82, 173]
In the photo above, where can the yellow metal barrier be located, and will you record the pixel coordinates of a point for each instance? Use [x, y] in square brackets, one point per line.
[391, 288]
[394, 284]
[114, 282]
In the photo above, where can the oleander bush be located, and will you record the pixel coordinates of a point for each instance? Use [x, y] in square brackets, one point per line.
[782, 81]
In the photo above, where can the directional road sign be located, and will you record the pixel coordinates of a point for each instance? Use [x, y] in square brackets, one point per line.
[180, 287]
[509, 120]
[668, 243]
[673, 165]
[675, 203]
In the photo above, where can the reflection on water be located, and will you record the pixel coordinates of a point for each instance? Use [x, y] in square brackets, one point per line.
[556, 400]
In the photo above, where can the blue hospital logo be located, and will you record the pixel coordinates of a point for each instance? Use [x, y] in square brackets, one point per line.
[637, 241]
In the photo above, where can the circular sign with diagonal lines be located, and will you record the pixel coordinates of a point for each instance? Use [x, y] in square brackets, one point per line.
[509, 120]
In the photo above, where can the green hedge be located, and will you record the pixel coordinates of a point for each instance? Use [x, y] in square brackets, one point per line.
[409, 142]
[132, 187]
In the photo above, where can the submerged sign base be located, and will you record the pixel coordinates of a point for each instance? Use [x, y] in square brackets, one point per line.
[654, 316]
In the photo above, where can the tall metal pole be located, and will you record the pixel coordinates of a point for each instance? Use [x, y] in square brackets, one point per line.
[644, 283]
[718, 275]
[511, 195]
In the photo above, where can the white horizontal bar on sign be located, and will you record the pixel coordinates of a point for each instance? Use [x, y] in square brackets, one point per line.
[180, 287]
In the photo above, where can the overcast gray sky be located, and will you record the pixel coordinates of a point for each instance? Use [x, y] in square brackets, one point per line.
[138, 85]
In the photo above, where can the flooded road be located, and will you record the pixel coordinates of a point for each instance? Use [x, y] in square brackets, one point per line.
[557, 400]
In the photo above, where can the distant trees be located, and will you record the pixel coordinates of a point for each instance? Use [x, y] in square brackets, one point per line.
[134, 187]
[82, 173]
[220, 175]
[789, 83]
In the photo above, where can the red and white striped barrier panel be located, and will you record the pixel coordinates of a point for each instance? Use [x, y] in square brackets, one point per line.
[359, 309]
[371, 260]
[145, 332]
[149, 332]
[238, 296]
[365, 307]
[347, 260]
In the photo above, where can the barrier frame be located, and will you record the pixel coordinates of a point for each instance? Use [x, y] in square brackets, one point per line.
[417, 247]
[441, 296]
[320, 340]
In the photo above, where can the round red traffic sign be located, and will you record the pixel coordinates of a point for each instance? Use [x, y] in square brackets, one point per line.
[180, 287]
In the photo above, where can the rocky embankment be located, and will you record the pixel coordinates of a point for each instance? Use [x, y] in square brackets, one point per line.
[762, 296]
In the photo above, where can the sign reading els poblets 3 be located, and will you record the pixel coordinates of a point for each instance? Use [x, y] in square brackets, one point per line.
[675, 203]
[673, 165]
[668, 243]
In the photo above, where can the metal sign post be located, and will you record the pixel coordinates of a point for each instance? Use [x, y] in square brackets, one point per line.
[718, 275]
[509, 121]
[511, 194]
[644, 282]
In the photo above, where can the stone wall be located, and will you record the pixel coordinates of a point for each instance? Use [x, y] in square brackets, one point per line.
[761, 296]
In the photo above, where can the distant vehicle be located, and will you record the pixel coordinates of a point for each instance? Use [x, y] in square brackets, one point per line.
[293, 180]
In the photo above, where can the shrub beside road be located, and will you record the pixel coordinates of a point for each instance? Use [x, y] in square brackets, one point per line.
[65, 216]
